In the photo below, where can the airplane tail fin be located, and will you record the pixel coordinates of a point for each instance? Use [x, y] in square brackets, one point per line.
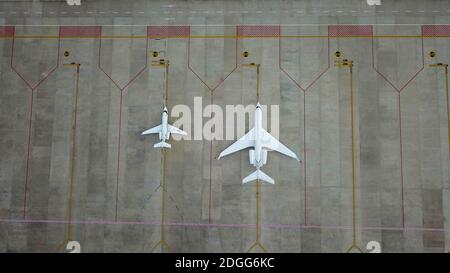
[162, 144]
[258, 174]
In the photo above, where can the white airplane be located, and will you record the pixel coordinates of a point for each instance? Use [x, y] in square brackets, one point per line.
[164, 130]
[261, 142]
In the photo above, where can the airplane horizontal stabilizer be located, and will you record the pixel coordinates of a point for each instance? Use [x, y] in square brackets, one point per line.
[258, 174]
[175, 130]
[162, 144]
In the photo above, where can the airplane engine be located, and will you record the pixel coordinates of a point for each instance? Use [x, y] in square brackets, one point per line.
[264, 156]
[159, 135]
[251, 156]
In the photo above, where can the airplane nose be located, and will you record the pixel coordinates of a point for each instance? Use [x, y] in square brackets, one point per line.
[258, 105]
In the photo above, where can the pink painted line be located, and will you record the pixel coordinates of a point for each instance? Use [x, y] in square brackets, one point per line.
[315, 79]
[216, 225]
[211, 89]
[133, 78]
[118, 157]
[304, 89]
[399, 90]
[401, 158]
[200, 78]
[31, 86]
[11, 31]
[27, 163]
[122, 90]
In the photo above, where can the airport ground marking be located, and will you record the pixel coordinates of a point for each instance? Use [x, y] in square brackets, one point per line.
[162, 241]
[210, 168]
[304, 91]
[447, 104]
[349, 63]
[122, 89]
[445, 66]
[211, 89]
[257, 242]
[187, 224]
[229, 37]
[73, 158]
[33, 89]
[398, 90]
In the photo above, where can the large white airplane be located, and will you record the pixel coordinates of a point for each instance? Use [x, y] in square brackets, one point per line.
[260, 142]
[164, 130]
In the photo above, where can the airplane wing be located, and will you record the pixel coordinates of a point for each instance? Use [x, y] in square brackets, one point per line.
[175, 130]
[247, 140]
[153, 130]
[273, 144]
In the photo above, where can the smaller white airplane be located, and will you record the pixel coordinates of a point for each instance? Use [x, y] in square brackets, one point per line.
[260, 142]
[164, 130]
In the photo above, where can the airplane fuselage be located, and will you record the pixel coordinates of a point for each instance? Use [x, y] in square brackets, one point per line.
[164, 130]
[258, 152]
